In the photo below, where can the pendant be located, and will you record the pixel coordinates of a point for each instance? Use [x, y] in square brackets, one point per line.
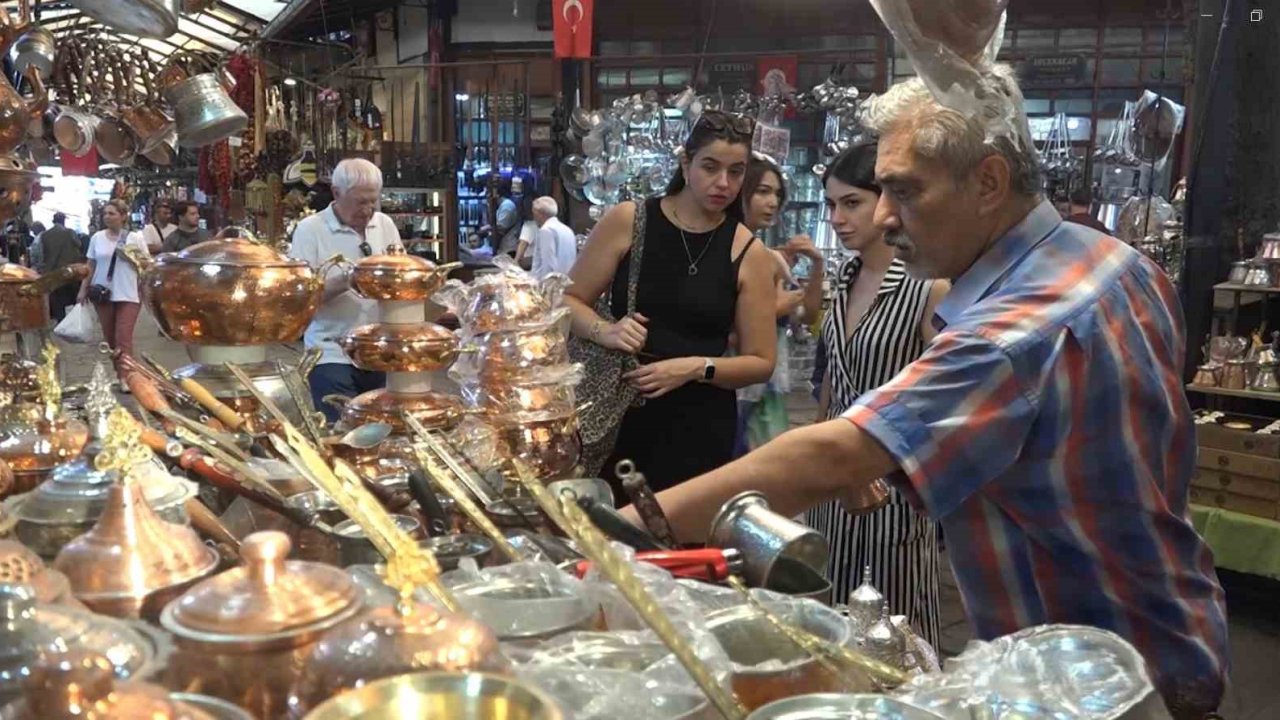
[693, 270]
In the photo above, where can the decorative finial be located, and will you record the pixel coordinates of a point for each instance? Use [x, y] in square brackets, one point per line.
[47, 381]
[122, 448]
[101, 399]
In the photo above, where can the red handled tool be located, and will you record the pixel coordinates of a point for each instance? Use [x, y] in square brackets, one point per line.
[706, 564]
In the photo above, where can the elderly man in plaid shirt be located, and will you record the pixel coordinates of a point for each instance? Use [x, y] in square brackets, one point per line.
[1045, 427]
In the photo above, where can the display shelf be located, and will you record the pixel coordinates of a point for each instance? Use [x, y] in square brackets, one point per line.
[1231, 287]
[1251, 394]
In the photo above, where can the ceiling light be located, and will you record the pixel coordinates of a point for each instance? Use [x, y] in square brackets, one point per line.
[290, 81]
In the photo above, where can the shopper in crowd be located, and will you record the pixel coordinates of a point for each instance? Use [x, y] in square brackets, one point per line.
[879, 322]
[762, 412]
[188, 231]
[35, 253]
[112, 283]
[18, 240]
[160, 227]
[1078, 210]
[554, 246]
[528, 234]
[351, 226]
[60, 247]
[1045, 426]
[504, 233]
[702, 277]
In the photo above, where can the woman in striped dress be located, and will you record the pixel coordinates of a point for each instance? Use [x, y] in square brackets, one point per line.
[878, 323]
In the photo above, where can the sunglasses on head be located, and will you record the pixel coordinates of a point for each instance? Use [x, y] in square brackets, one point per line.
[721, 121]
[365, 249]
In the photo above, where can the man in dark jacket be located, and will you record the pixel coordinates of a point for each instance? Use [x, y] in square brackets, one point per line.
[61, 248]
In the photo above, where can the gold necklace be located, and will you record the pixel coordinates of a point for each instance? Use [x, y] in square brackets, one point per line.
[693, 264]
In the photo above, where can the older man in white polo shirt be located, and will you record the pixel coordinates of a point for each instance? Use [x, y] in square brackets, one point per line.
[556, 247]
[353, 227]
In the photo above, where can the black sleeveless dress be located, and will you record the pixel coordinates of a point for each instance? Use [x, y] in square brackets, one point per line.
[690, 430]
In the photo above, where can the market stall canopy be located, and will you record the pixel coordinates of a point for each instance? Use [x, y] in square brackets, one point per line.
[221, 28]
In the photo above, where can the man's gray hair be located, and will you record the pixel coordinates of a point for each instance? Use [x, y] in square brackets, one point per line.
[546, 205]
[356, 172]
[958, 140]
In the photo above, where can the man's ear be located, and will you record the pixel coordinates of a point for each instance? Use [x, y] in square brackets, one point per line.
[994, 183]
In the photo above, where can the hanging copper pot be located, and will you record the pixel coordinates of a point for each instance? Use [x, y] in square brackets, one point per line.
[147, 122]
[75, 124]
[17, 113]
[203, 112]
[144, 18]
[132, 563]
[114, 139]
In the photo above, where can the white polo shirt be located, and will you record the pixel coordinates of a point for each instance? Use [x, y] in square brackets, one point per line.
[318, 238]
[555, 250]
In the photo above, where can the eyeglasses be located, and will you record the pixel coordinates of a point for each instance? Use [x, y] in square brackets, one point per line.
[721, 121]
[365, 249]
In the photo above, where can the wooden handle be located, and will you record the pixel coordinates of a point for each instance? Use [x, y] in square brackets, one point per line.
[220, 410]
[147, 394]
[207, 469]
[203, 519]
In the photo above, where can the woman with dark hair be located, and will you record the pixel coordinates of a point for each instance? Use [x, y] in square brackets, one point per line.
[879, 322]
[702, 276]
[762, 413]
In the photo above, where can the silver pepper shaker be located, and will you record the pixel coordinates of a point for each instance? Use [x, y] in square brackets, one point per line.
[864, 604]
[884, 642]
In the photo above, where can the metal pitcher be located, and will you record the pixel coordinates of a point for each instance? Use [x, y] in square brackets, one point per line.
[773, 547]
[203, 112]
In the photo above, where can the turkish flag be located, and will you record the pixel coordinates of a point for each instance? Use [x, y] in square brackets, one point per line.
[572, 24]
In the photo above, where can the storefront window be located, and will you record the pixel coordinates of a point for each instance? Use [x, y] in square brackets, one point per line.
[1115, 38]
[646, 77]
[1038, 106]
[1077, 38]
[1035, 39]
[676, 77]
[1119, 71]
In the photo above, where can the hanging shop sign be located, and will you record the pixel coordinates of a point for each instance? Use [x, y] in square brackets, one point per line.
[1056, 70]
[573, 20]
[731, 76]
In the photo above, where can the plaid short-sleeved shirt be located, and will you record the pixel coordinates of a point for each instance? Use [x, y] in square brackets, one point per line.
[1047, 428]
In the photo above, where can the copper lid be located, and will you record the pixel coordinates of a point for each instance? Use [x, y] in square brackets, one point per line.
[20, 566]
[269, 598]
[131, 553]
[237, 252]
[395, 259]
[80, 685]
[28, 631]
[391, 641]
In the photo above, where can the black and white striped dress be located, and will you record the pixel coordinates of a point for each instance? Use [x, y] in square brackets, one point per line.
[899, 544]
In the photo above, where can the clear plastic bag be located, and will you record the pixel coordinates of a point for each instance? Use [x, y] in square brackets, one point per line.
[524, 601]
[80, 325]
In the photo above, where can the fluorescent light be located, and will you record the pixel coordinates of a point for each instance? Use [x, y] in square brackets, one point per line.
[461, 97]
[290, 81]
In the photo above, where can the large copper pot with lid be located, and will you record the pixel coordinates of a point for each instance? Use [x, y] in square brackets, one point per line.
[397, 275]
[231, 292]
[245, 635]
[23, 305]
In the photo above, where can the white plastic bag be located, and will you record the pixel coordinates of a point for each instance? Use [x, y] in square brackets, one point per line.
[80, 326]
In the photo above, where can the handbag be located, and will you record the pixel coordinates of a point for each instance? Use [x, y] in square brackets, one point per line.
[102, 293]
[609, 396]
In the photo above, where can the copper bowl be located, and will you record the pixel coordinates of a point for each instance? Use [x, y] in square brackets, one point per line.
[32, 446]
[435, 411]
[231, 292]
[384, 347]
[547, 442]
[397, 275]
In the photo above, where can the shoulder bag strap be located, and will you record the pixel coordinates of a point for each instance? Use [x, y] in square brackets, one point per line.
[637, 254]
[115, 253]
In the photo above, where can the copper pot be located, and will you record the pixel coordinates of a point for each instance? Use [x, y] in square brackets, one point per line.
[231, 292]
[503, 301]
[387, 641]
[245, 635]
[132, 563]
[506, 356]
[385, 347]
[23, 305]
[397, 275]
[457, 696]
[113, 137]
[147, 122]
[81, 685]
[33, 446]
[17, 178]
[20, 566]
[435, 411]
[547, 442]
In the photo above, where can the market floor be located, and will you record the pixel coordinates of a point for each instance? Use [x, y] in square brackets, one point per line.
[1255, 623]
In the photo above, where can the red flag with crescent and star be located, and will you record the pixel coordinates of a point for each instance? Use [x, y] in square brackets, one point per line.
[573, 21]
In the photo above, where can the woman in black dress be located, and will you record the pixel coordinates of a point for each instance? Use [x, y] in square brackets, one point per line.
[702, 277]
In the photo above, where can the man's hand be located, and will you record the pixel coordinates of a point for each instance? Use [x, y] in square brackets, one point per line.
[659, 378]
[627, 335]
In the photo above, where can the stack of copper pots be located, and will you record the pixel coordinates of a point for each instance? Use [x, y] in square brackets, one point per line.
[402, 344]
[514, 368]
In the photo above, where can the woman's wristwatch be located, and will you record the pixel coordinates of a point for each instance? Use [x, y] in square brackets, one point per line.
[708, 370]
